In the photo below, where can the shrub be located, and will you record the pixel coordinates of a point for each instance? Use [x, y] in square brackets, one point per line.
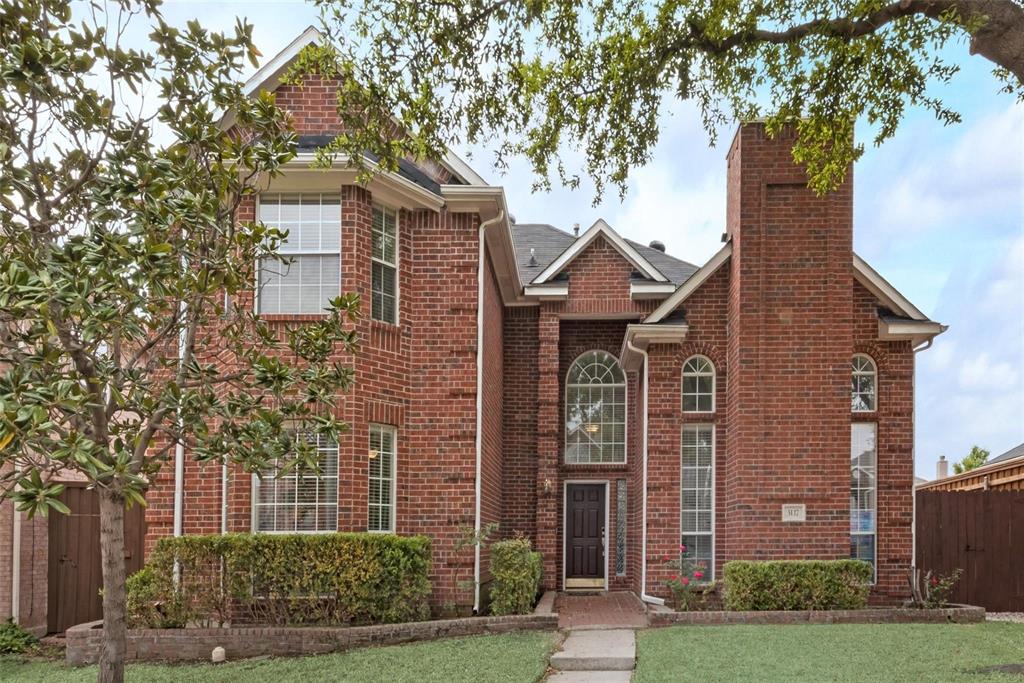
[931, 591]
[14, 640]
[286, 579]
[797, 585]
[516, 571]
[689, 583]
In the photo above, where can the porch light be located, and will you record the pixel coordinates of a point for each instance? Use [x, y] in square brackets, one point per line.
[374, 453]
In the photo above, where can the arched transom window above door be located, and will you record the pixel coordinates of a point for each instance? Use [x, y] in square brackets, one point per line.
[595, 410]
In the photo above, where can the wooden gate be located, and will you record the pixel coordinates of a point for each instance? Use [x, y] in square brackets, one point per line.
[75, 573]
[980, 532]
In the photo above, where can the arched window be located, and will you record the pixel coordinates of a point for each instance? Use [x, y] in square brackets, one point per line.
[698, 385]
[864, 395]
[595, 410]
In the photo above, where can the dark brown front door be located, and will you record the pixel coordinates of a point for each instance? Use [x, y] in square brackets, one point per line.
[75, 576]
[584, 543]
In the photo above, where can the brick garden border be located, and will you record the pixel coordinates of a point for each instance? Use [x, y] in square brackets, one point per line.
[196, 644]
[960, 614]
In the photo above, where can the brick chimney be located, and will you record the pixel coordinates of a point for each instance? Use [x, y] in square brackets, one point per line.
[788, 353]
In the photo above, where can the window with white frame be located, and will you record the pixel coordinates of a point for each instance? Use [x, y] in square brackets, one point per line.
[698, 385]
[595, 410]
[865, 381]
[382, 478]
[697, 490]
[299, 499]
[384, 285]
[307, 273]
[863, 491]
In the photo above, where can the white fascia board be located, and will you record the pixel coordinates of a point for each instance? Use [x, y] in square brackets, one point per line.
[880, 287]
[915, 331]
[650, 290]
[600, 227]
[462, 170]
[641, 336]
[690, 286]
[547, 291]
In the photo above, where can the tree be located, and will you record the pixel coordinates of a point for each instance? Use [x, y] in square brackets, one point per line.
[533, 77]
[120, 261]
[976, 458]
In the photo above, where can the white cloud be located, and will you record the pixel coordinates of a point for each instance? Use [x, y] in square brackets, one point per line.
[983, 372]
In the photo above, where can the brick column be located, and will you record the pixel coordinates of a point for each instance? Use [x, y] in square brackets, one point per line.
[548, 448]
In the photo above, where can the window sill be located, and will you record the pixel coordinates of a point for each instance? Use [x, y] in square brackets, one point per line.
[293, 317]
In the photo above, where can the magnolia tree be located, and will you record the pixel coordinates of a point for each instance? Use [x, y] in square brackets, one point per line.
[536, 77]
[122, 248]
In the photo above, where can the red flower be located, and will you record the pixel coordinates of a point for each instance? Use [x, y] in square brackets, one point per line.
[682, 548]
[935, 581]
[665, 559]
[674, 577]
[686, 581]
[698, 575]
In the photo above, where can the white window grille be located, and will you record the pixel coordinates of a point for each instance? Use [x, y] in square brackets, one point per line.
[865, 383]
[595, 410]
[382, 478]
[698, 385]
[299, 500]
[384, 285]
[697, 543]
[307, 273]
[863, 491]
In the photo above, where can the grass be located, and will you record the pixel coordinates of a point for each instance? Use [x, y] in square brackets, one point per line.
[846, 652]
[508, 658]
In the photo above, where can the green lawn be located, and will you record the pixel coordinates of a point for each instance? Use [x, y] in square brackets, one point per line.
[847, 652]
[510, 658]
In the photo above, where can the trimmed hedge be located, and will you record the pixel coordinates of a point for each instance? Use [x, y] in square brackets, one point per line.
[796, 585]
[516, 571]
[286, 579]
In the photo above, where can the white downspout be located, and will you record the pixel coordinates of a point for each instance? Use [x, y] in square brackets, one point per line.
[480, 401]
[179, 457]
[16, 565]
[643, 529]
[224, 499]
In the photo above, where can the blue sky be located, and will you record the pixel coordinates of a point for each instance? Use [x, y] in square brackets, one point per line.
[938, 211]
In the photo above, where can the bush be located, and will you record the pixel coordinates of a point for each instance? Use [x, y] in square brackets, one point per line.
[14, 640]
[286, 579]
[797, 585]
[516, 571]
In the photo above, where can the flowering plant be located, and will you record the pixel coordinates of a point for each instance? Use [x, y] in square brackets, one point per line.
[687, 583]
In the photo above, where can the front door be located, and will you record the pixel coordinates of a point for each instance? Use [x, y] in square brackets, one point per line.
[584, 542]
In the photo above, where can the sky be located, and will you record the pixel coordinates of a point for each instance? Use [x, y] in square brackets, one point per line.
[938, 211]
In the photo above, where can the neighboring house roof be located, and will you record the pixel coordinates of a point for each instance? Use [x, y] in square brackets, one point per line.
[1015, 452]
[538, 246]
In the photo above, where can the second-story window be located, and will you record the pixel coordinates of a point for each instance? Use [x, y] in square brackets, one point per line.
[864, 394]
[384, 287]
[308, 273]
[698, 385]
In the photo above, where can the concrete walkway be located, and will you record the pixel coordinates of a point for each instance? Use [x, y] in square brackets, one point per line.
[601, 656]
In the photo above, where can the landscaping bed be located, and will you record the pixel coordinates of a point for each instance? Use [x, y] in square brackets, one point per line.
[960, 614]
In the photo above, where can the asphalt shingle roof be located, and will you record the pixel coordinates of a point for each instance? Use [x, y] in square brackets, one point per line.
[1014, 452]
[547, 242]
[406, 169]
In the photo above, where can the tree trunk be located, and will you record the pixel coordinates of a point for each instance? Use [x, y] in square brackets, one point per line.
[112, 554]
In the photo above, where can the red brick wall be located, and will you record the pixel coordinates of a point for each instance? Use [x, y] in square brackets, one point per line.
[788, 356]
[519, 438]
[895, 446]
[705, 314]
[492, 456]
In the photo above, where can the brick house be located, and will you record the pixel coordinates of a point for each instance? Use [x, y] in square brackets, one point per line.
[607, 400]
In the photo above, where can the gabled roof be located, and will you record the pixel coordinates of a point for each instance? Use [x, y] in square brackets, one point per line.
[538, 245]
[599, 229]
[268, 77]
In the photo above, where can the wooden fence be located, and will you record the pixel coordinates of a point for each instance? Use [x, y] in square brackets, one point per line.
[980, 532]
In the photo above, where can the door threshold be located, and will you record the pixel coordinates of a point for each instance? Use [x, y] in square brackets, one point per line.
[584, 584]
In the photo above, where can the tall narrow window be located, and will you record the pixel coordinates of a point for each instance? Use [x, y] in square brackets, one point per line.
[299, 500]
[698, 385]
[697, 500]
[595, 410]
[620, 527]
[384, 286]
[382, 478]
[865, 381]
[307, 274]
[863, 490]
